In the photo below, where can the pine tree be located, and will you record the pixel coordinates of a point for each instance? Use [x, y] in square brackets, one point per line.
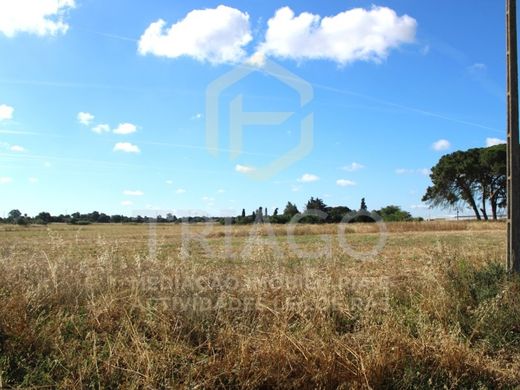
[290, 210]
[260, 215]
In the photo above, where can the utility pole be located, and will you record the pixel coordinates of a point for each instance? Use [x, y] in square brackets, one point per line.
[513, 161]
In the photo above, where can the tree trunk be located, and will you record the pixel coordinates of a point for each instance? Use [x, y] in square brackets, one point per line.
[475, 208]
[484, 199]
[483, 209]
[469, 198]
[494, 206]
[477, 214]
[494, 209]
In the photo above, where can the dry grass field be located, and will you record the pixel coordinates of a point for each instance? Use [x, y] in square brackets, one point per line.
[206, 306]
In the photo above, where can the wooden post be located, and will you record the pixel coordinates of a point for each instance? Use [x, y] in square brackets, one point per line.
[513, 162]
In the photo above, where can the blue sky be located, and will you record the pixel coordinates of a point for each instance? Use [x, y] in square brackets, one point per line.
[396, 85]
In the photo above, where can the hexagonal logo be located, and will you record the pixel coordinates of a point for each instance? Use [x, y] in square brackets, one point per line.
[239, 119]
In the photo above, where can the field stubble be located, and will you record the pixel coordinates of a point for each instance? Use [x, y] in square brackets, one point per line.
[246, 307]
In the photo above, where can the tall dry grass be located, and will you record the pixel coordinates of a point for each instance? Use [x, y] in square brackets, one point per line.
[92, 308]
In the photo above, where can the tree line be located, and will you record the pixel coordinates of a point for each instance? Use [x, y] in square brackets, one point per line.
[315, 211]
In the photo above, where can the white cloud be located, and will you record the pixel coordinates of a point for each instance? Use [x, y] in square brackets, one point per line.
[6, 112]
[494, 141]
[221, 191]
[244, 169]
[102, 128]
[125, 128]
[180, 191]
[295, 188]
[197, 116]
[17, 148]
[41, 17]
[308, 178]
[420, 171]
[133, 193]
[345, 183]
[12, 148]
[169, 182]
[209, 201]
[258, 59]
[85, 118]
[217, 35]
[127, 203]
[419, 206]
[126, 147]
[5, 180]
[353, 35]
[353, 167]
[33, 180]
[477, 68]
[441, 145]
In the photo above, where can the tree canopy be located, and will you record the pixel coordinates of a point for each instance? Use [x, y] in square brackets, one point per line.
[472, 178]
[316, 204]
[290, 210]
[394, 213]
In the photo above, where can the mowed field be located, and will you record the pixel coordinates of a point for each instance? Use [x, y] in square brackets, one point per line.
[207, 306]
